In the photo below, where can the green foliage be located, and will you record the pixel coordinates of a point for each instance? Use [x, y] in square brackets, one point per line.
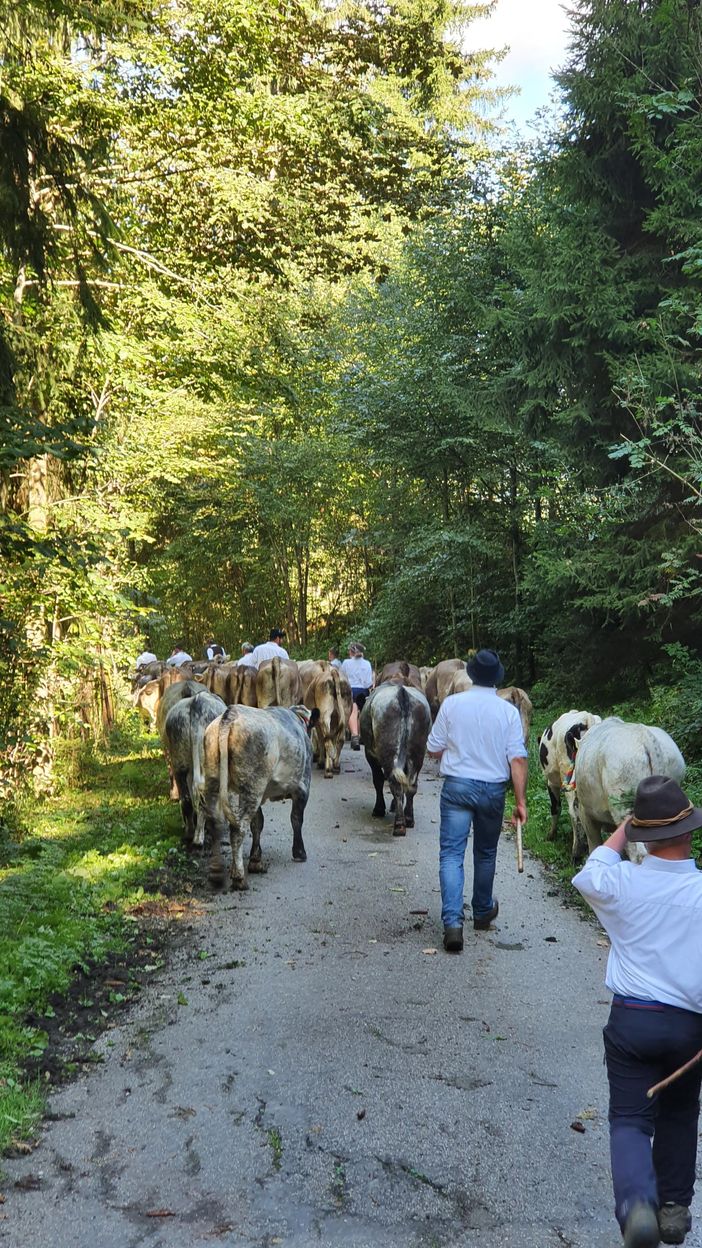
[63, 893]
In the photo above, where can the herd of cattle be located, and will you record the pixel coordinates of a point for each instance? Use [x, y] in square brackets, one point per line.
[236, 737]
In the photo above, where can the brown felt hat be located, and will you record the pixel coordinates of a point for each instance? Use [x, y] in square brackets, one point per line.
[661, 811]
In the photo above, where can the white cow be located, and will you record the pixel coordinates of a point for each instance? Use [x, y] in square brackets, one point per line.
[557, 749]
[612, 759]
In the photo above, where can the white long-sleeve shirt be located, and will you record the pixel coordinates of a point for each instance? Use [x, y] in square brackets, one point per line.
[479, 735]
[652, 914]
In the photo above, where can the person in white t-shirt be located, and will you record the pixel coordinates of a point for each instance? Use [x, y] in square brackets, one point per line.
[145, 657]
[478, 738]
[359, 674]
[270, 649]
[213, 650]
[247, 658]
[333, 657]
[178, 657]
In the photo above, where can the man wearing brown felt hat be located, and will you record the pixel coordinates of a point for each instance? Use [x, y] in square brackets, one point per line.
[652, 914]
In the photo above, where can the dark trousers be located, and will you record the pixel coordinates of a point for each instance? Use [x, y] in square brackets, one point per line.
[642, 1046]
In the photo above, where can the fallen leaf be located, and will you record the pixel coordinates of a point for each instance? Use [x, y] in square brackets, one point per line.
[577, 1126]
[587, 1113]
[430, 951]
[419, 911]
[21, 1146]
[551, 940]
[28, 1183]
[2, 1199]
[159, 1213]
[182, 999]
[271, 1072]
[372, 940]
[604, 944]
[360, 1114]
[373, 853]
[115, 983]
[397, 890]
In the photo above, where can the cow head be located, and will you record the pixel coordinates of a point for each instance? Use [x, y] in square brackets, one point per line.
[307, 718]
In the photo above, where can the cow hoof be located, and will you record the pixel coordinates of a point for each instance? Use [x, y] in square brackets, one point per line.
[409, 823]
[329, 775]
[399, 829]
[239, 884]
[217, 878]
[378, 814]
[337, 769]
[257, 867]
[299, 855]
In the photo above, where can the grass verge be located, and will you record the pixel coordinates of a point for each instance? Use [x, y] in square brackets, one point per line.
[93, 854]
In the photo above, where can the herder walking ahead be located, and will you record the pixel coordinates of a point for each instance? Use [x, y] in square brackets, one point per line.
[478, 738]
[652, 914]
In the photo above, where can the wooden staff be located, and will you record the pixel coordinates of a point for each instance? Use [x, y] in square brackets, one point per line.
[664, 1083]
[520, 851]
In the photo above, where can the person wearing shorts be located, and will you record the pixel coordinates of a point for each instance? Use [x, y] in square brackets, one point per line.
[359, 674]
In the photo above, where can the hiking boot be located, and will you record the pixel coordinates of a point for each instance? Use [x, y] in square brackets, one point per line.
[482, 924]
[674, 1222]
[453, 939]
[355, 743]
[641, 1227]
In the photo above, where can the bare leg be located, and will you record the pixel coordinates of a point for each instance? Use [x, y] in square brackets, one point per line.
[354, 721]
[554, 797]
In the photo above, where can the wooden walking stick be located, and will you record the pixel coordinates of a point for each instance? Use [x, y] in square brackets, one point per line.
[520, 850]
[682, 1070]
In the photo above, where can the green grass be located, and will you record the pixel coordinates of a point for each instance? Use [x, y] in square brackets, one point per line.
[64, 890]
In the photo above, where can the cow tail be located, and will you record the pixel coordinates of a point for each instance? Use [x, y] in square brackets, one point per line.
[399, 768]
[223, 736]
[275, 671]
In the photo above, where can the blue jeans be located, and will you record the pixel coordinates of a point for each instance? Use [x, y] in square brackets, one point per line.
[643, 1046]
[479, 804]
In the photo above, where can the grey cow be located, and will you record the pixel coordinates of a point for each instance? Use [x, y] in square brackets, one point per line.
[395, 724]
[248, 756]
[183, 727]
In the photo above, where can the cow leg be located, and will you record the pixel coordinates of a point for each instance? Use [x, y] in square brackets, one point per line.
[173, 791]
[336, 753]
[378, 782]
[186, 806]
[328, 758]
[216, 871]
[409, 808]
[579, 849]
[256, 866]
[592, 830]
[399, 826]
[554, 797]
[297, 814]
[239, 823]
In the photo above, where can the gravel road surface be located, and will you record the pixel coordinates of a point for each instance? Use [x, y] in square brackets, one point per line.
[320, 1078]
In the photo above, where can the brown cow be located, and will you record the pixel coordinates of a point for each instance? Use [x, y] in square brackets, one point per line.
[145, 700]
[330, 693]
[309, 670]
[523, 703]
[439, 682]
[278, 683]
[401, 673]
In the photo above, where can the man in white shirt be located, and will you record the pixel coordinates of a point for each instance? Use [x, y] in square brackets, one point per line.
[652, 914]
[178, 657]
[479, 739]
[269, 649]
[247, 659]
[146, 657]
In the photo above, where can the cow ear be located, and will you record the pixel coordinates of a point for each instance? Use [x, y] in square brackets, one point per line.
[572, 740]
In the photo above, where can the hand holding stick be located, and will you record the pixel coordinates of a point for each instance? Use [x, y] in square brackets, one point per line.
[520, 847]
[682, 1070]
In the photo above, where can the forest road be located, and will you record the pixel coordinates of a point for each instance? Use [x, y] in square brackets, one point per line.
[324, 1080]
